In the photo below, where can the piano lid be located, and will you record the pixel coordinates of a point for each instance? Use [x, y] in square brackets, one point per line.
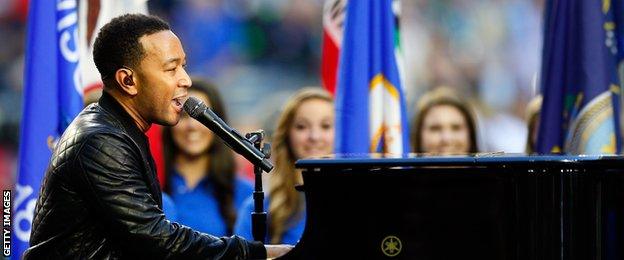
[498, 159]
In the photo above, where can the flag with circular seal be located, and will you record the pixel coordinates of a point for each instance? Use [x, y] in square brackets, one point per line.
[581, 86]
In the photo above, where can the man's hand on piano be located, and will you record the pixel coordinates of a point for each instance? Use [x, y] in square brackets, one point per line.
[274, 251]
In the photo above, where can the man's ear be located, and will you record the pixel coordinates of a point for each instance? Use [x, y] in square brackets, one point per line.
[125, 80]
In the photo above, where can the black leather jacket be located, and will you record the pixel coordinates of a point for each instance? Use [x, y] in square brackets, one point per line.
[100, 199]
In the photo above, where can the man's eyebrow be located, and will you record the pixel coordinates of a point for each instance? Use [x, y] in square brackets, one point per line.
[172, 60]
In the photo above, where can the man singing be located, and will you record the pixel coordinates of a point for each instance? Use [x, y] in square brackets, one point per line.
[100, 197]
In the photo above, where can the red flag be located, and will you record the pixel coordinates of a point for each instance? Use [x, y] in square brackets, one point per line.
[333, 25]
[154, 134]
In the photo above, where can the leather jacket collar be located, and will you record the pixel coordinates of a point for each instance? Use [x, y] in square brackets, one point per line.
[108, 103]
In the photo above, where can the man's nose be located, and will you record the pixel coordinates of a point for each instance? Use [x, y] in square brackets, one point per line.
[185, 80]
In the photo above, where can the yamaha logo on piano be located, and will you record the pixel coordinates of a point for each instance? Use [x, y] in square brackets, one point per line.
[391, 246]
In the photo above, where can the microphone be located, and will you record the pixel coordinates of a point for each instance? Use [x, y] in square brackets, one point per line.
[200, 112]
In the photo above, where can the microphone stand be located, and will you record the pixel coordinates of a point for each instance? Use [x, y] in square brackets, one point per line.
[259, 216]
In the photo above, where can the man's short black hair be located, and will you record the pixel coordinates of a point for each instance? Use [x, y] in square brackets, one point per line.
[117, 44]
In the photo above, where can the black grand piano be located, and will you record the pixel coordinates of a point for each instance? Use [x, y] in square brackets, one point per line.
[486, 206]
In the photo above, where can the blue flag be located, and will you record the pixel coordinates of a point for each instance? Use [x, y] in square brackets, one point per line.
[52, 98]
[583, 50]
[370, 102]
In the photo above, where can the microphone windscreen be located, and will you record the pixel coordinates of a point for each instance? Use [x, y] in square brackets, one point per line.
[193, 106]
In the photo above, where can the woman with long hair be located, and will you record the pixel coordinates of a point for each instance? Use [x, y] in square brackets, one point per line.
[305, 129]
[444, 124]
[201, 172]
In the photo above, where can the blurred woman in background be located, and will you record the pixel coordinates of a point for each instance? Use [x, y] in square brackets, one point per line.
[201, 176]
[305, 129]
[444, 124]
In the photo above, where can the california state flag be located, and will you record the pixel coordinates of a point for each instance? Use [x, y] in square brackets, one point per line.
[333, 28]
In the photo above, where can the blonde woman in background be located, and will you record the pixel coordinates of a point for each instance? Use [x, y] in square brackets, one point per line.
[305, 129]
